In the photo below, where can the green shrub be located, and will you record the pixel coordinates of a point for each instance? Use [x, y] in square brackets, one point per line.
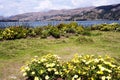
[86, 67]
[106, 27]
[70, 30]
[61, 26]
[45, 34]
[14, 33]
[1, 30]
[8, 34]
[86, 33]
[38, 30]
[79, 29]
[31, 32]
[73, 24]
[71, 27]
[54, 32]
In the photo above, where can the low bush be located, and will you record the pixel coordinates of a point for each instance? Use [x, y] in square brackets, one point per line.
[80, 29]
[54, 32]
[38, 30]
[31, 32]
[86, 33]
[63, 29]
[45, 34]
[14, 33]
[86, 67]
[106, 27]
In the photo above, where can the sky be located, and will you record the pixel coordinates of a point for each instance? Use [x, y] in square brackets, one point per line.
[13, 7]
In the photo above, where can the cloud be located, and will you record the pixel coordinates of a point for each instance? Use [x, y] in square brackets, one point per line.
[81, 3]
[85, 3]
[44, 5]
[13, 7]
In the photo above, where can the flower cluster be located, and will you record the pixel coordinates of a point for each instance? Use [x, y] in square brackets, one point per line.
[46, 68]
[87, 67]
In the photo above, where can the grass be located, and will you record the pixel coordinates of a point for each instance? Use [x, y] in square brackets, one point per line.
[14, 53]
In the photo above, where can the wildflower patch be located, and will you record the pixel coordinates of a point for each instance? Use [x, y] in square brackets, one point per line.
[87, 67]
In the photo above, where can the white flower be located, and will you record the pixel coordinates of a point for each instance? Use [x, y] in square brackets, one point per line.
[101, 67]
[24, 74]
[27, 68]
[46, 77]
[33, 73]
[75, 76]
[79, 79]
[52, 64]
[103, 77]
[96, 60]
[108, 70]
[42, 60]
[108, 77]
[56, 72]
[49, 69]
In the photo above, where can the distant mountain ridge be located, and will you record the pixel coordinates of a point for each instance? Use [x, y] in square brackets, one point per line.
[109, 12]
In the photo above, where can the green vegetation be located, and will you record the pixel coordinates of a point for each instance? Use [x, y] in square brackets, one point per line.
[87, 67]
[16, 49]
[107, 27]
[17, 32]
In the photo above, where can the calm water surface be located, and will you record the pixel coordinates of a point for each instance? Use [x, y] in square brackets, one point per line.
[45, 23]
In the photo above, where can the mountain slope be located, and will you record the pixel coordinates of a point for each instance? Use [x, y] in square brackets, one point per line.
[110, 12]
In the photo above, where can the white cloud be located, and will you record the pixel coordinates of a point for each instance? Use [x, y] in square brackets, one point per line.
[43, 5]
[1, 7]
[84, 3]
[81, 3]
[101, 2]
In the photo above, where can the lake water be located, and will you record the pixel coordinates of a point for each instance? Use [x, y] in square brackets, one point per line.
[45, 23]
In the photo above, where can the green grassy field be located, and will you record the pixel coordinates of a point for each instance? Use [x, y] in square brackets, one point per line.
[14, 53]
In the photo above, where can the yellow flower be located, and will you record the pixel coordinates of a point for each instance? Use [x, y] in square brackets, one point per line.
[108, 63]
[22, 69]
[41, 71]
[79, 71]
[92, 78]
[99, 72]
[36, 78]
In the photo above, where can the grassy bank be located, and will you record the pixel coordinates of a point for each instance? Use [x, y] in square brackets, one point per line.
[14, 53]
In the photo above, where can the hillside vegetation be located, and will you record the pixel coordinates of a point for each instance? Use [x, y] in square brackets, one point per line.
[20, 44]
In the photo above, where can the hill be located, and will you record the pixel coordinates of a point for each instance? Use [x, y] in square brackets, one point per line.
[109, 12]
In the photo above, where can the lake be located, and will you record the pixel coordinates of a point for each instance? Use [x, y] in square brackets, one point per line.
[45, 23]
